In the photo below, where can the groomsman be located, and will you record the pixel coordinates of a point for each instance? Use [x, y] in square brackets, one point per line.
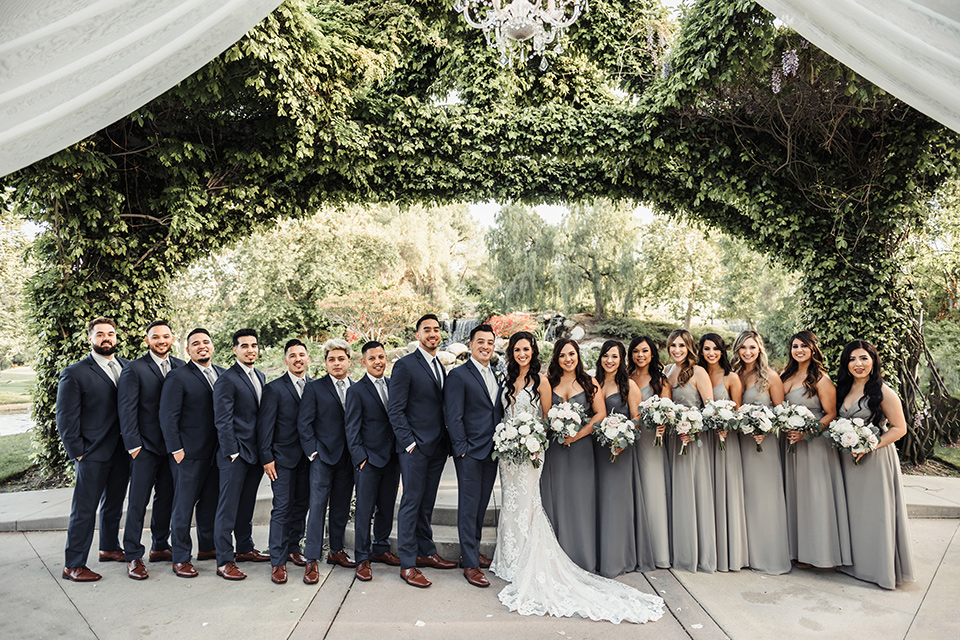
[186, 419]
[416, 415]
[283, 460]
[472, 408]
[236, 403]
[371, 443]
[138, 397]
[90, 430]
[323, 438]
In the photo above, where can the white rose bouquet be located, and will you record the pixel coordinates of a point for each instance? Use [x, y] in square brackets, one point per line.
[796, 417]
[656, 412]
[757, 420]
[522, 438]
[616, 433]
[565, 419]
[720, 416]
[854, 435]
[689, 423]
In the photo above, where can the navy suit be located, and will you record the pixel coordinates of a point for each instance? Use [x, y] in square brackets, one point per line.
[370, 438]
[279, 442]
[89, 428]
[416, 415]
[138, 403]
[186, 420]
[321, 426]
[471, 416]
[235, 410]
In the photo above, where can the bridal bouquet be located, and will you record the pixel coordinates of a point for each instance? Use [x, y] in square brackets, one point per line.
[617, 433]
[520, 439]
[655, 412]
[565, 419]
[796, 417]
[720, 416]
[854, 435]
[757, 420]
[689, 423]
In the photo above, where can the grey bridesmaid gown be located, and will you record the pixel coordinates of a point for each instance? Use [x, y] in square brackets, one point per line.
[616, 504]
[817, 526]
[879, 532]
[568, 490]
[731, 517]
[651, 482]
[766, 507]
[693, 523]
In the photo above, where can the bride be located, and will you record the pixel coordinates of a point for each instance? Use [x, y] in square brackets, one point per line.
[543, 580]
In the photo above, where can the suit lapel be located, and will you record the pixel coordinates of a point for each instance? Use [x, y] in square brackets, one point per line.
[154, 368]
[427, 368]
[479, 379]
[371, 388]
[292, 389]
[242, 372]
[99, 370]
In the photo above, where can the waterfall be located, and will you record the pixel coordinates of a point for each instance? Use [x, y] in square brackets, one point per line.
[461, 329]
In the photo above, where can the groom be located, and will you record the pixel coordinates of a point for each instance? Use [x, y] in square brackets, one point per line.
[472, 408]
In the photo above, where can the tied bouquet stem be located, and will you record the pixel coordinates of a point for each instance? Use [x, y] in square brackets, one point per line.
[795, 417]
[565, 420]
[616, 433]
[689, 423]
[521, 439]
[656, 412]
[854, 435]
[720, 416]
[757, 420]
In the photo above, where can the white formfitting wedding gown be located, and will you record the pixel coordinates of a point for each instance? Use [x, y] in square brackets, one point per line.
[543, 580]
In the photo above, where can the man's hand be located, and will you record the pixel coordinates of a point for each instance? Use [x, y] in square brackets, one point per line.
[178, 456]
[271, 470]
[135, 453]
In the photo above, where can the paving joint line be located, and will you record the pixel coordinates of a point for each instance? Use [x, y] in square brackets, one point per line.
[699, 604]
[59, 584]
[336, 614]
[932, 579]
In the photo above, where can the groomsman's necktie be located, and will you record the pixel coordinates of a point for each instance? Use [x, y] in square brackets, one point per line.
[299, 386]
[211, 375]
[436, 368]
[165, 367]
[382, 388]
[114, 370]
[256, 382]
[342, 391]
[491, 382]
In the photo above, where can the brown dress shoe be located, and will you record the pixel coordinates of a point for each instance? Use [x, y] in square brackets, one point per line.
[279, 574]
[387, 557]
[435, 562]
[137, 570]
[311, 575]
[297, 558]
[252, 556]
[413, 577]
[80, 574]
[485, 562]
[184, 570]
[230, 571]
[364, 573]
[476, 577]
[206, 555]
[340, 558]
[112, 556]
[161, 556]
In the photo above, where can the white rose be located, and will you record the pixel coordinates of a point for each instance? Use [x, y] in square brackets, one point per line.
[524, 429]
[795, 421]
[511, 432]
[556, 425]
[610, 433]
[849, 439]
[533, 445]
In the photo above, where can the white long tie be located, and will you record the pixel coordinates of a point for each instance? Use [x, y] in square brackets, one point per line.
[382, 388]
[114, 371]
[342, 392]
[211, 375]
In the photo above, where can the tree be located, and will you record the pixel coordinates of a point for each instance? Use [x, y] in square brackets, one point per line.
[522, 260]
[379, 314]
[16, 344]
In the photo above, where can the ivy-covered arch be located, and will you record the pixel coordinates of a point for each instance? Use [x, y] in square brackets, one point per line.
[337, 101]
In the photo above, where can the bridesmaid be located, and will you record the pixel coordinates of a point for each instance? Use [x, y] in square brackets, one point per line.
[693, 522]
[817, 526]
[762, 471]
[732, 554]
[879, 533]
[651, 474]
[568, 483]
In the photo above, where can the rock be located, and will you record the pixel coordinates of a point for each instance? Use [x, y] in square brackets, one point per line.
[396, 354]
[446, 358]
[412, 346]
[577, 333]
[456, 348]
[569, 324]
[463, 357]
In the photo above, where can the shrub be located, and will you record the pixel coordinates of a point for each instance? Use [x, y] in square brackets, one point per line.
[506, 326]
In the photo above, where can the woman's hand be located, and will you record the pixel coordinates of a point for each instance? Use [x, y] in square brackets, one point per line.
[661, 430]
[793, 437]
[760, 438]
[686, 439]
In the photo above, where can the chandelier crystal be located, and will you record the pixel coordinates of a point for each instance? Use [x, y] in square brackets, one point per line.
[507, 25]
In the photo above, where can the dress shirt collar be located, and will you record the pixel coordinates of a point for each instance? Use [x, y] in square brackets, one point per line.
[103, 361]
[430, 358]
[158, 360]
[249, 368]
[373, 379]
[480, 367]
[294, 378]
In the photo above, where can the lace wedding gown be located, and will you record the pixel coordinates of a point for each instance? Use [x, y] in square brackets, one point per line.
[543, 580]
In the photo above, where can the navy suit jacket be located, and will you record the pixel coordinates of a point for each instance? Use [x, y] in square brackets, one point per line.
[87, 411]
[138, 402]
[416, 405]
[277, 433]
[235, 410]
[321, 420]
[186, 412]
[369, 435]
[470, 413]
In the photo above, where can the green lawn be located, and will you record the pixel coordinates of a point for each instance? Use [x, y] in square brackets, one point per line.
[14, 455]
[16, 385]
[948, 454]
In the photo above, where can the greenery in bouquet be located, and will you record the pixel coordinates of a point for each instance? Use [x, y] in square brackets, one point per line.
[720, 416]
[521, 439]
[565, 420]
[757, 420]
[854, 435]
[616, 433]
[796, 417]
[656, 412]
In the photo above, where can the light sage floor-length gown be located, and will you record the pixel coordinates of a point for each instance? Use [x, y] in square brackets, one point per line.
[731, 517]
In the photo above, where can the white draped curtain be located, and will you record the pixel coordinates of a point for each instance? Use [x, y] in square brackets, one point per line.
[71, 67]
[910, 48]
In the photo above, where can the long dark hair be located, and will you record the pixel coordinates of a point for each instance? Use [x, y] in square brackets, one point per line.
[532, 378]
[719, 344]
[655, 368]
[620, 377]
[872, 391]
[555, 372]
[815, 369]
[688, 364]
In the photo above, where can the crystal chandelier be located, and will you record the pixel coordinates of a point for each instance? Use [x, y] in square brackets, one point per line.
[507, 25]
